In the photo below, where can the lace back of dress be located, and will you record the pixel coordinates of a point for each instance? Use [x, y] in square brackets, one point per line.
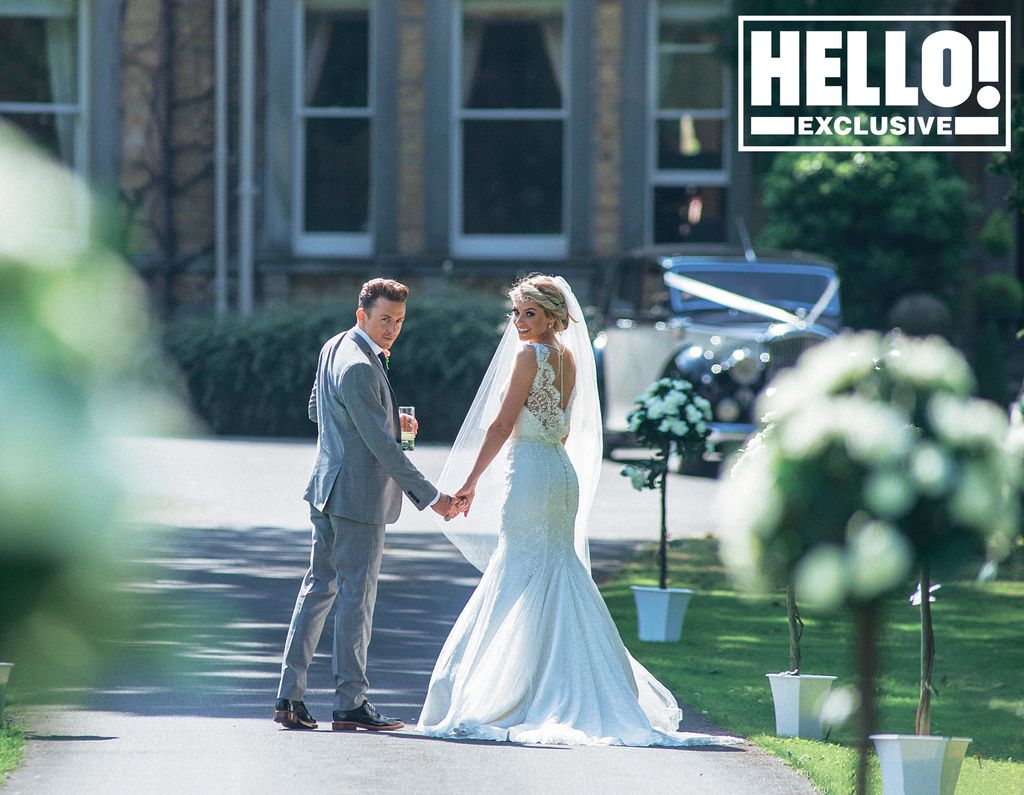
[544, 401]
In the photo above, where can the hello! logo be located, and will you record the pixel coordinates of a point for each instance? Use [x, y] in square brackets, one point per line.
[919, 83]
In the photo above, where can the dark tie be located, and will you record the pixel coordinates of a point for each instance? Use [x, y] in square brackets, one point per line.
[383, 360]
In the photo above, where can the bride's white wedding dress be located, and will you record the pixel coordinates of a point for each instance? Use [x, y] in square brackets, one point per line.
[535, 656]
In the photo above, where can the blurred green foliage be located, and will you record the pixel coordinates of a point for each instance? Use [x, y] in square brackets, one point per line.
[72, 325]
[990, 359]
[996, 236]
[1011, 164]
[252, 376]
[999, 296]
[894, 223]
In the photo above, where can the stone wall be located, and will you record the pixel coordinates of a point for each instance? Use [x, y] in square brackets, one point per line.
[411, 125]
[607, 128]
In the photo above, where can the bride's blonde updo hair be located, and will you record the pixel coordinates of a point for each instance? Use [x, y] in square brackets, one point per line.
[543, 291]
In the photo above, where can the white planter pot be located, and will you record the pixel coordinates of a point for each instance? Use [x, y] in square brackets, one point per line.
[5, 675]
[913, 765]
[798, 703]
[660, 612]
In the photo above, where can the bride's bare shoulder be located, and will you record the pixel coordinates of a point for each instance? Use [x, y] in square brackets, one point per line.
[526, 357]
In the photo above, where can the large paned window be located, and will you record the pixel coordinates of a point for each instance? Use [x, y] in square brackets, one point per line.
[510, 98]
[43, 75]
[333, 128]
[689, 134]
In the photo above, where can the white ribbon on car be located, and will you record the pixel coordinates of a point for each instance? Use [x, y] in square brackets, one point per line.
[742, 303]
[819, 307]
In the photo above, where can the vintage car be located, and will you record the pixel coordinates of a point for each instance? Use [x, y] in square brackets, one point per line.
[725, 322]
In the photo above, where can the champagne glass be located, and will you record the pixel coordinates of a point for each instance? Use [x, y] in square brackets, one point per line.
[408, 436]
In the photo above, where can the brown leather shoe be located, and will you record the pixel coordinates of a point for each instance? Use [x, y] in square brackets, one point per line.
[293, 715]
[365, 717]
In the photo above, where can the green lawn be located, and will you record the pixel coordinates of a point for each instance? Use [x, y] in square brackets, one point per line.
[11, 741]
[731, 640]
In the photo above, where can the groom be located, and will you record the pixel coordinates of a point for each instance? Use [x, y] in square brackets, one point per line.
[355, 489]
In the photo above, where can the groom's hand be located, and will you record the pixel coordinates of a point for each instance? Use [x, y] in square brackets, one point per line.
[443, 506]
[409, 423]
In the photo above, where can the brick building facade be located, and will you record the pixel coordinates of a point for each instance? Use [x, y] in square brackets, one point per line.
[416, 138]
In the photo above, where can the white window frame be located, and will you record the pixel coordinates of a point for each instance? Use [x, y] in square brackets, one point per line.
[681, 178]
[518, 246]
[79, 110]
[319, 244]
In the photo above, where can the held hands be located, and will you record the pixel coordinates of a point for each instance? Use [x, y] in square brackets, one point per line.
[449, 507]
[465, 497]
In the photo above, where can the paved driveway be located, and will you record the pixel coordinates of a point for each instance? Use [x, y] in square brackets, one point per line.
[187, 708]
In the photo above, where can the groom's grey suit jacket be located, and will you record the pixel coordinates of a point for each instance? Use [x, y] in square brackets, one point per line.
[360, 470]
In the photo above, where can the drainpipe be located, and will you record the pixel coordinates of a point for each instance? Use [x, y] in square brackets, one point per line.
[220, 159]
[246, 186]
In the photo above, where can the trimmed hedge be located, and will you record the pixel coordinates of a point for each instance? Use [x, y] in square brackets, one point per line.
[252, 376]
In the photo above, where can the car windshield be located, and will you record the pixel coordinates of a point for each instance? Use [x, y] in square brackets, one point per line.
[789, 288]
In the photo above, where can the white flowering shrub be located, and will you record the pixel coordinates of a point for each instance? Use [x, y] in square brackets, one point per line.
[669, 413]
[874, 458]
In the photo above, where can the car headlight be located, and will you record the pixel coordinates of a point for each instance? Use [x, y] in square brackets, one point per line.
[744, 367]
[690, 362]
[727, 410]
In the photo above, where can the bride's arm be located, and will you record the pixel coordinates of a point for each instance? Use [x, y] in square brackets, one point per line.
[523, 372]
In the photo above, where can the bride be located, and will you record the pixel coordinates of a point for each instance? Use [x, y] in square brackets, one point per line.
[535, 657]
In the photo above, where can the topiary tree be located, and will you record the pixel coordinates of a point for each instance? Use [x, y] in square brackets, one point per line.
[668, 414]
[999, 296]
[894, 223]
[920, 315]
[996, 236]
[875, 462]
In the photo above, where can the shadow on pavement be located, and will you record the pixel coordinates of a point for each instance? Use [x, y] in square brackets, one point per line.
[215, 605]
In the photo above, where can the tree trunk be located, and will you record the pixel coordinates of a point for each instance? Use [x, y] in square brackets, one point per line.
[867, 630]
[796, 629]
[923, 723]
[663, 547]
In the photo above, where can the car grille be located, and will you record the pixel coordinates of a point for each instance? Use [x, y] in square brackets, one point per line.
[786, 349]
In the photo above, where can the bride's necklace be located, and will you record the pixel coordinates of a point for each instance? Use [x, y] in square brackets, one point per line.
[561, 368]
[561, 373]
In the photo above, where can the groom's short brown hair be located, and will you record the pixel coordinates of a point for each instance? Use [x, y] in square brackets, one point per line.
[381, 288]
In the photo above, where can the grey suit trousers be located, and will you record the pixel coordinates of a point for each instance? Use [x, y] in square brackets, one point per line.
[343, 568]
